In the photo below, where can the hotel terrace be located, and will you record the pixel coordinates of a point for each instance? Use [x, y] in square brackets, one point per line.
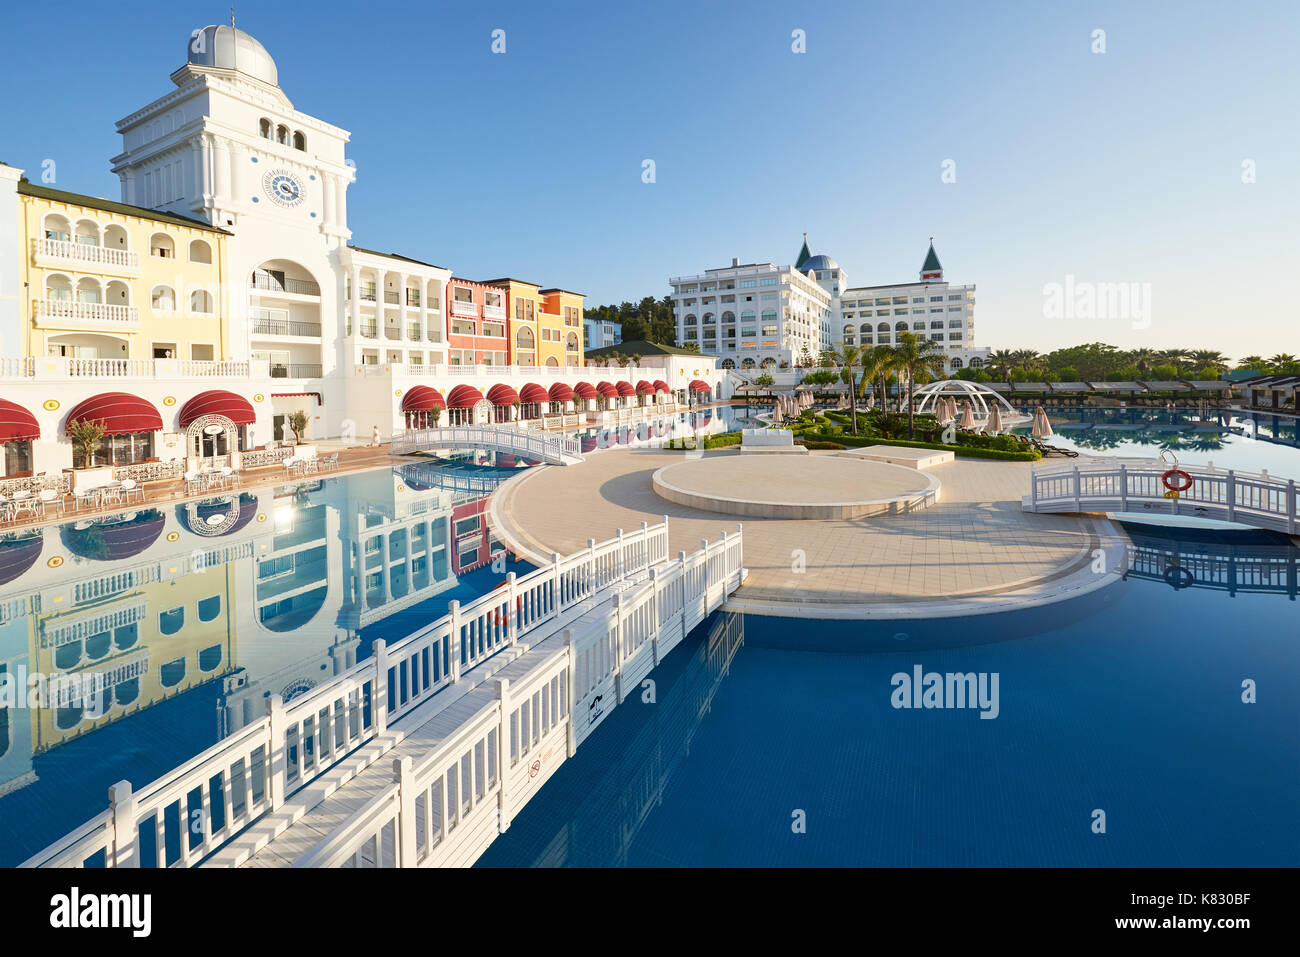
[222, 295]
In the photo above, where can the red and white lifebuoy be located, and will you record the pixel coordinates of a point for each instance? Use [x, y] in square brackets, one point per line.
[1167, 480]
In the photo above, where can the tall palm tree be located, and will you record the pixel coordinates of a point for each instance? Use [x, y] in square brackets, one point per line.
[847, 356]
[920, 359]
[1208, 359]
[1028, 358]
[877, 363]
[1002, 361]
[1252, 362]
[1142, 358]
[1284, 362]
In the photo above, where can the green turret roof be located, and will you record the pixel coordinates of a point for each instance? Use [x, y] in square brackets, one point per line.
[804, 254]
[931, 260]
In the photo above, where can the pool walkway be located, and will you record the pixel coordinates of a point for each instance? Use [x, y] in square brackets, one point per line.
[975, 551]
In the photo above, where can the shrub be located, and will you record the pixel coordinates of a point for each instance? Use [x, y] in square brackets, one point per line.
[722, 440]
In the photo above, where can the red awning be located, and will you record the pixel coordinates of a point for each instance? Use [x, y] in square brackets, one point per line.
[291, 395]
[700, 386]
[464, 397]
[422, 398]
[502, 394]
[661, 386]
[624, 387]
[218, 402]
[118, 412]
[112, 540]
[560, 392]
[644, 388]
[533, 393]
[608, 390]
[585, 390]
[17, 424]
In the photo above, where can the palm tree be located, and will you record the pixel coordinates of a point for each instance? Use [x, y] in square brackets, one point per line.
[877, 363]
[1252, 362]
[1002, 360]
[847, 357]
[1142, 358]
[1208, 359]
[1028, 358]
[1284, 362]
[919, 359]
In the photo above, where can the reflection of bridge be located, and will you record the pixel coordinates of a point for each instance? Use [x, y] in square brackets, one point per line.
[422, 477]
[1134, 485]
[1214, 563]
[477, 709]
[544, 447]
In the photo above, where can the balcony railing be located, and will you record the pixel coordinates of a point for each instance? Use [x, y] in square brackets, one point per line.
[285, 327]
[296, 287]
[459, 308]
[413, 331]
[413, 297]
[494, 312]
[390, 296]
[68, 312]
[295, 370]
[84, 253]
[70, 367]
[369, 330]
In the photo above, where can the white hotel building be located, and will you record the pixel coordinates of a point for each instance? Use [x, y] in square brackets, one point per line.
[810, 306]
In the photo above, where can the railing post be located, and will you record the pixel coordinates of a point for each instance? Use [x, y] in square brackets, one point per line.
[453, 612]
[1290, 507]
[654, 614]
[618, 647]
[591, 566]
[379, 690]
[1232, 495]
[404, 839]
[572, 690]
[122, 850]
[1078, 507]
[1123, 488]
[556, 597]
[645, 546]
[622, 554]
[512, 609]
[503, 754]
[1033, 487]
[275, 755]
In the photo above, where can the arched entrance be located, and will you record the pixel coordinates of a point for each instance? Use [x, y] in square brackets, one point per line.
[213, 441]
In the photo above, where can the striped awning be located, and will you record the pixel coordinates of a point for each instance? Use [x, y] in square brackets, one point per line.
[698, 385]
[218, 402]
[661, 386]
[464, 397]
[502, 394]
[624, 387]
[422, 398]
[607, 389]
[17, 424]
[560, 393]
[532, 392]
[585, 390]
[644, 388]
[110, 540]
[118, 412]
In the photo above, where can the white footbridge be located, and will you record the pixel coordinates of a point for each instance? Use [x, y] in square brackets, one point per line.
[1134, 485]
[422, 754]
[526, 443]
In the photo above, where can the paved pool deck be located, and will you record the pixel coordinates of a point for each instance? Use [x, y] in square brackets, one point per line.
[975, 551]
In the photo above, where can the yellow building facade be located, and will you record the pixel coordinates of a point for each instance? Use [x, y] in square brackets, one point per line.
[103, 280]
[561, 318]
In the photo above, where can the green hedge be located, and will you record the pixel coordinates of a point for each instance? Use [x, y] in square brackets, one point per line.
[722, 440]
[818, 445]
[963, 451]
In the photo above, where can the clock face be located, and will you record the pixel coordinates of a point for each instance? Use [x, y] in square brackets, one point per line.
[283, 188]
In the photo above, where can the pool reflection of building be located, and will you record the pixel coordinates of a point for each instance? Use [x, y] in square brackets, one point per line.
[1234, 561]
[267, 591]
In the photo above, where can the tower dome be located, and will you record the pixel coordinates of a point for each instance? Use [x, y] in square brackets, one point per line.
[819, 262]
[230, 49]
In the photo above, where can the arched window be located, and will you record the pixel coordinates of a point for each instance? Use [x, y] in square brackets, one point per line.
[200, 252]
[882, 327]
[209, 608]
[848, 330]
[210, 658]
[865, 329]
[264, 127]
[57, 227]
[172, 620]
[282, 134]
[747, 363]
[162, 299]
[769, 363]
[88, 290]
[172, 673]
[728, 363]
[900, 327]
[161, 245]
[127, 691]
[571, 343]
[977, 363]
[201, 302]
[299, 141]
[708, 318]
[690, 319]
[956, 363]
[728, 317]
[524, 339]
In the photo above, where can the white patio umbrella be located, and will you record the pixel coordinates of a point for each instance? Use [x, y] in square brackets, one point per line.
[777, 418]
[1042, 427]
[967, 418]
[994, 425]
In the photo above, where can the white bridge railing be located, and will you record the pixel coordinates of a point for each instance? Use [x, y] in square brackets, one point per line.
[528, 443]
[1128, 485]
[445, 808]
[189, 812]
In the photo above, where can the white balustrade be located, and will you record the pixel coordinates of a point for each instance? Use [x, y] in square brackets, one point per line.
[86, 253]
[69, 312]
[555, 449]
[192, 810]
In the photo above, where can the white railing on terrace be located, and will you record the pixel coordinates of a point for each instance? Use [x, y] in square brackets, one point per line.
[68, 312]
[459, 308]
[531, 444]
[63, 367]
[604, 657]
[83, 253]
[1130, 485]
[494, 312]
[192, 810]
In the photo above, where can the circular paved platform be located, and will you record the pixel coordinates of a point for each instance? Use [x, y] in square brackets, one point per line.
[799, 487]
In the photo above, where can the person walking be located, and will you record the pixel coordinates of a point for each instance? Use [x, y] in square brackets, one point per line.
[374, 437]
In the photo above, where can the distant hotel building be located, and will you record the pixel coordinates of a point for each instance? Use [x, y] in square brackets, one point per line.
[756, 315]
[602, 333]
[788, 314]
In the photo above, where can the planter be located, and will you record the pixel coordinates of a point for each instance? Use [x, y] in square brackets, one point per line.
[91, 477]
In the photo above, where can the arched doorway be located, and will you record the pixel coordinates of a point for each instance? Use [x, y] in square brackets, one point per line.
[213, 441]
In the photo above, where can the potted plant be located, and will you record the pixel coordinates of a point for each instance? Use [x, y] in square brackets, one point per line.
[297, 422]
[86, 436]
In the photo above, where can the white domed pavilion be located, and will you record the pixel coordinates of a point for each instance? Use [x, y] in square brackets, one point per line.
[979, 396]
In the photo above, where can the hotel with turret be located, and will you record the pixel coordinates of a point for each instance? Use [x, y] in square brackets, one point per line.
[222, 296]
[765, 316]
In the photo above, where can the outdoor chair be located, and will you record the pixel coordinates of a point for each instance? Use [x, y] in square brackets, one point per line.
[229, 476]
[193, 483]
[132, 489]
[6, 509]
[50, 498]
[85, 498]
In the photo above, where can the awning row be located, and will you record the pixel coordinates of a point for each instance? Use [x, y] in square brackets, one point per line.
[120, 413]
[423, 398]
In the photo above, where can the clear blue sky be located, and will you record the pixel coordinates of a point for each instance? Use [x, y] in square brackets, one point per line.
[1116, 167]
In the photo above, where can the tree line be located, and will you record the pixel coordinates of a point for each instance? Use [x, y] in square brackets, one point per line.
[1101, 362]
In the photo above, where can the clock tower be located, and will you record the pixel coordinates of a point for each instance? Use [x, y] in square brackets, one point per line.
[226, 146]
